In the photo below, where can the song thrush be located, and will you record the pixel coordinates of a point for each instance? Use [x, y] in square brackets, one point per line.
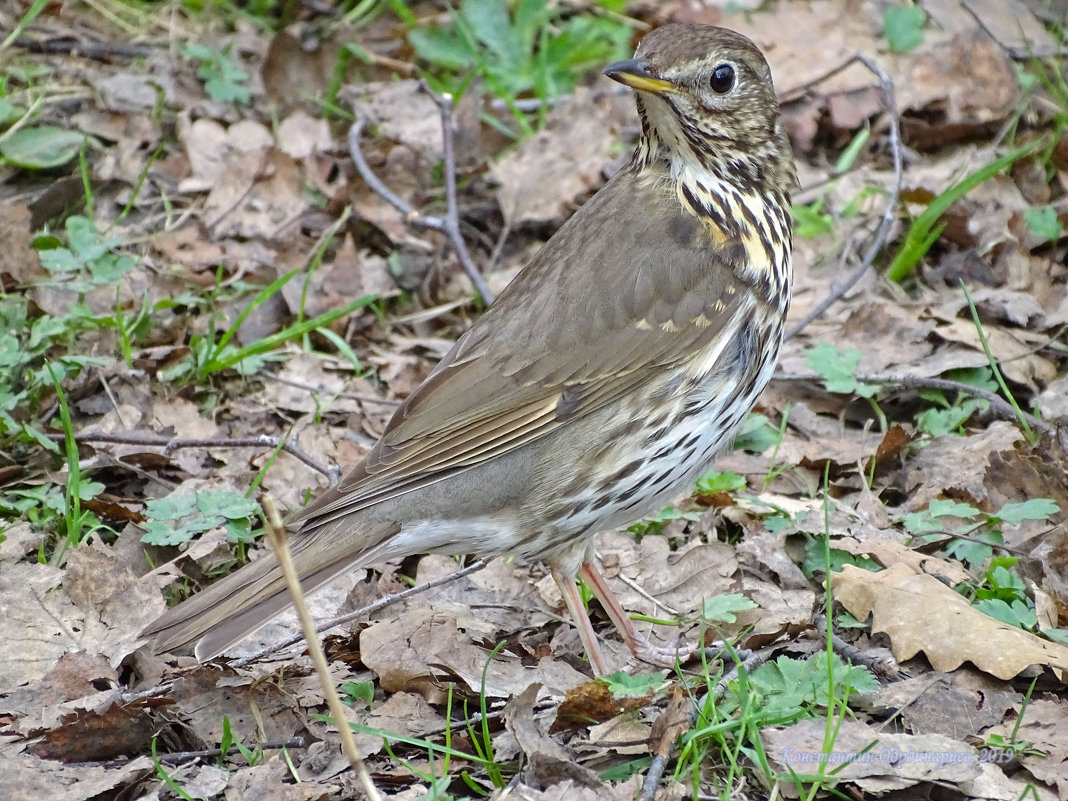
[605, 378]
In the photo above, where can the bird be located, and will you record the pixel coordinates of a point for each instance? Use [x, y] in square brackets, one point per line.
[602, 382]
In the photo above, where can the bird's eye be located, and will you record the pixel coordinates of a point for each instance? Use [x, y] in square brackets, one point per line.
[722, 80]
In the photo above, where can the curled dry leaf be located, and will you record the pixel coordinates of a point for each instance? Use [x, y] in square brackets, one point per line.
[920, 613]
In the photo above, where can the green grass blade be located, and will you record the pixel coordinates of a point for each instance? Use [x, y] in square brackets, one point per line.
[919, 238]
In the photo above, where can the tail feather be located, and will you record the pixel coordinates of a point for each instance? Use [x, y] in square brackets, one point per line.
[234, 607]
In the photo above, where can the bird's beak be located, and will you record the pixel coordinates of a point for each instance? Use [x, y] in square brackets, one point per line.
[634, 72]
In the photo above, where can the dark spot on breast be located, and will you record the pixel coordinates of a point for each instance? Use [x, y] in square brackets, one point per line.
[684, 229]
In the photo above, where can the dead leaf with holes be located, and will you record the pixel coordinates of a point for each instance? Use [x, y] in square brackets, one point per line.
[920, 613]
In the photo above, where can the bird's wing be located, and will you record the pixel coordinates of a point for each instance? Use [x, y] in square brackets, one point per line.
[631, 285]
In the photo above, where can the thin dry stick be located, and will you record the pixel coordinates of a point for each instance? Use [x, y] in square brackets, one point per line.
[886, 86]
[448, 225]
[998, 405]
[883, 665]
[384, 601]
[209, 753]
[279, 542]
[169, 444]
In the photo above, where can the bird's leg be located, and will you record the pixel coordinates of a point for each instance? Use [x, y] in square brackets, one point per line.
[638, 645]
[569, 589]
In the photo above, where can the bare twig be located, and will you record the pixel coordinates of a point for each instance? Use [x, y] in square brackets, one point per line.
[881, 664]
[386, 600]
[998, 405]
[178, 757]
[450, 223]
[886, 86]
[279, 542]
[69, 46]
[170, 444]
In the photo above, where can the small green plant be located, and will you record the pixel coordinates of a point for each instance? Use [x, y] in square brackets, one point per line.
[78, 524]
[224, 80]
[982, 530]
[757, 434]
[778, 693]
[1003, 595]
[212, 352]
[177, 519]
[41, 147]
[811, 220]
[25, 380]
[838, 369]
[657, 523]
[640, 685]
[521, 49]
[815, 561]
[88, 259]
[903, 27]
[253, 756]
[361, 693]
[166, 778]
[1021, 418]
[722, 608]
[944, 417]
[1044, 224]
[715, 482]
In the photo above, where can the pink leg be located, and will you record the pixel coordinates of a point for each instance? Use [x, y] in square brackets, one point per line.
[569, 590]
[638, 645]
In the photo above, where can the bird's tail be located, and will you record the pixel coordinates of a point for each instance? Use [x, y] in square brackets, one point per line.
[236, 606]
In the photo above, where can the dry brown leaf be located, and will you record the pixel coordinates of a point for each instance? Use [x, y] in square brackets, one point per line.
[896, 761]
[531, 730]
[570, 790]
[779, 611]
[960, 704]
[17, 258]
[593, 701]
[269, 780]
[100, 608]
[256, 709]
[26, 778]
[212, 149]
[301, 135]
[920, 613]
[412, 651]
[889, 552]
[956, 466]
[543, 178]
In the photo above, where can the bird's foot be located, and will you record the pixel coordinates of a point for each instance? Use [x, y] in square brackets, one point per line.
[662, 655]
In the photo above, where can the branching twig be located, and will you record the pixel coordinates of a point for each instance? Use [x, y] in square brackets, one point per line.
[998, 405]
[886, 86]
[450, 223]
[170, 444]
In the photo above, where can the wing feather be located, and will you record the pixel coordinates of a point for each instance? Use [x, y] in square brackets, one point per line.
[614, 306]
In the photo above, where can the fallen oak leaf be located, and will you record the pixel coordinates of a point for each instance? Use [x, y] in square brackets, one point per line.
[920, 613]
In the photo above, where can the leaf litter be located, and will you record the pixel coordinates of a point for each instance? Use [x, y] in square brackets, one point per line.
[229, 202]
